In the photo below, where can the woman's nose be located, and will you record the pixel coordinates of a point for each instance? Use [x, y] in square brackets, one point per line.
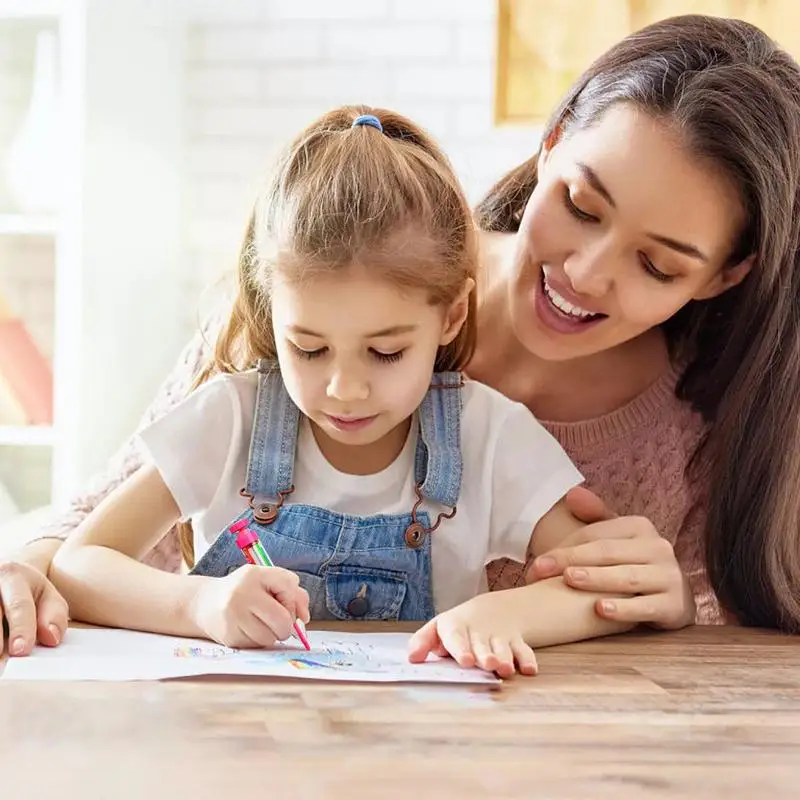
[589, 271]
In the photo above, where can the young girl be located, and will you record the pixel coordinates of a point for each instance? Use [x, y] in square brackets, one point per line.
[335, 422]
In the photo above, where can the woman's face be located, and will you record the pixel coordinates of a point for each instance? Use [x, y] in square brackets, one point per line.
[623, 229]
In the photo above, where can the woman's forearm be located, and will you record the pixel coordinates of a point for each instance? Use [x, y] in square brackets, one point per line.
[105, 587]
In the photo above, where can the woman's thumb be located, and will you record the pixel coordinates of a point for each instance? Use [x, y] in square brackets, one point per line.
[587, 506]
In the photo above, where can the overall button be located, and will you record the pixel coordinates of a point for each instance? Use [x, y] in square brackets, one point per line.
[358, 606]
[415, 534]
[265, 514]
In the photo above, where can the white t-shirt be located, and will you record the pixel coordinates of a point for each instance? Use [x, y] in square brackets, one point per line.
[514, 471]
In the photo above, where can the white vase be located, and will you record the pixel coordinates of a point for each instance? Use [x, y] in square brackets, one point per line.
[34, 158]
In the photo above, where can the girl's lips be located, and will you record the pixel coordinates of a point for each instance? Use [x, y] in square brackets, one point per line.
[350, 423]
[555, 319]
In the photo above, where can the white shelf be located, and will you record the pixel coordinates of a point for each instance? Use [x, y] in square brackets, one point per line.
[27, 225]
[30, 9]
[26, 435]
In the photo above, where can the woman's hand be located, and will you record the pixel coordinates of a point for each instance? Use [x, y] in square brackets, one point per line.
[620, 555]
[486, 632]
[31, 608]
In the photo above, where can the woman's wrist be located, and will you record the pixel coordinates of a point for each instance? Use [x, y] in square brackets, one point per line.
[39, 554]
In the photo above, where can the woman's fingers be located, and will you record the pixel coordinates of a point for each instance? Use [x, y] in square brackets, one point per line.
[624, 579]
[52, 616]
[587, 506]
[603, 553]
[653, 609]
[18, 607]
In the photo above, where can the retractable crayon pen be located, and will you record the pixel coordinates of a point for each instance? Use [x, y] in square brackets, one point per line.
[248, 542]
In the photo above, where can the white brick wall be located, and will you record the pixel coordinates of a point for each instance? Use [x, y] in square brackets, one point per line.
[258, 70]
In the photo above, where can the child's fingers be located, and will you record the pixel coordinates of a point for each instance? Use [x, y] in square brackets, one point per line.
[455, 640]
[303, 611]
[482, 650]
[276, 620]
[524, 656]
[285, 587]
[503, 656]
[251, 633]
[424, 641]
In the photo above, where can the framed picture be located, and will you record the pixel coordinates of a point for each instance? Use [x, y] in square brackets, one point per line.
[544, 45]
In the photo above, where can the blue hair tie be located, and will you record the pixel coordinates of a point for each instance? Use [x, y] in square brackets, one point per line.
[368, 119]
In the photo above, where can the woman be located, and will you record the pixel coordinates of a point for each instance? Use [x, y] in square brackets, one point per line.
[648, 309]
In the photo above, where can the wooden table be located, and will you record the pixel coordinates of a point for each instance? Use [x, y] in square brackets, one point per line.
[701, 713]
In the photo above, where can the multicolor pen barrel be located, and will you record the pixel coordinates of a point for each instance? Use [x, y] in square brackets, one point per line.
[259, 554]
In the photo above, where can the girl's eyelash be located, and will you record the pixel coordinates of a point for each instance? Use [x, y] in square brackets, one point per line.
[388, 358]
[310, 355]
[651, 269]
[576, 212]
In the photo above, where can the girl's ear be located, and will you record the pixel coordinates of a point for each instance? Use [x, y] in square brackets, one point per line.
[726, 278]
[456, 314]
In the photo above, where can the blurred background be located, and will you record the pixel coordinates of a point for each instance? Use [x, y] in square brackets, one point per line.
[135, 133]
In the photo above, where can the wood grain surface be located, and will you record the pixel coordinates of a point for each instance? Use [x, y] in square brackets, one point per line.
[699, 713]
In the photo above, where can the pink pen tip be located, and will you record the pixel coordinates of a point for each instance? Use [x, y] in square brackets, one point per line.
[238, 526]
[301, 635]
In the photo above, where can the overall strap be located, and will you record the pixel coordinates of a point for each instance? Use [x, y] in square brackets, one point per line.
[438, 464]
[270, 464]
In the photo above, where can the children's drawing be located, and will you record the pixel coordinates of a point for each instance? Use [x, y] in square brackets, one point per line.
[331, 654]
[118, 655]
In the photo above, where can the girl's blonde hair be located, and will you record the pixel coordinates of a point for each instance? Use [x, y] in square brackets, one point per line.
[341, 195]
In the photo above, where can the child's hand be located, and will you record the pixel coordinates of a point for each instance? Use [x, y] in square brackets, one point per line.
[251, 607]
[482, 632]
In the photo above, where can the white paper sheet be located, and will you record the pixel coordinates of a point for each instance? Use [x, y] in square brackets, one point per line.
[104, 654]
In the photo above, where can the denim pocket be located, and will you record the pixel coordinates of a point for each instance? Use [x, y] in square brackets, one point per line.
[365, 593]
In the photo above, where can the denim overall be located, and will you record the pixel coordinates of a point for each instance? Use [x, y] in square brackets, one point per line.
[352, 567]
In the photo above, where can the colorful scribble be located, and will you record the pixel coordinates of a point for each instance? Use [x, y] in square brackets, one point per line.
[203, 651]
[334, 655]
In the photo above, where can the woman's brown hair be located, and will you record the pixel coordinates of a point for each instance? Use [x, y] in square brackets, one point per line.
[735, 97]
[387, 200]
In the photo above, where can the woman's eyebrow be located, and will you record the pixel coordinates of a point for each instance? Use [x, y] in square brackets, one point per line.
[685, 248]
[590, 176]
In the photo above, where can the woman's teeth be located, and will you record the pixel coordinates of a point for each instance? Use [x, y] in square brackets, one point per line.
[565, 306]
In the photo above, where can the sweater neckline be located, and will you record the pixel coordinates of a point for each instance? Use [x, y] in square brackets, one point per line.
[640, 410]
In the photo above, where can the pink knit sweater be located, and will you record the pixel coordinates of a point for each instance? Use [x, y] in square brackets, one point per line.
[633, 458]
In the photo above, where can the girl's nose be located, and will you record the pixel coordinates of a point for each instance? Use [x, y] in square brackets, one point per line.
[347, 387]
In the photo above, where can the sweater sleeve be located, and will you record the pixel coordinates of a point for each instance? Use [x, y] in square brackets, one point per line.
[691, 558]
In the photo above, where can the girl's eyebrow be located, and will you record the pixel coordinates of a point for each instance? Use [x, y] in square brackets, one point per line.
[395, 330]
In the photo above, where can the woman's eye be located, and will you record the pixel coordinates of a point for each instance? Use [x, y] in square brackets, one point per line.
[388, 358]
[577, 212]
[308, 355]
[651, 269]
